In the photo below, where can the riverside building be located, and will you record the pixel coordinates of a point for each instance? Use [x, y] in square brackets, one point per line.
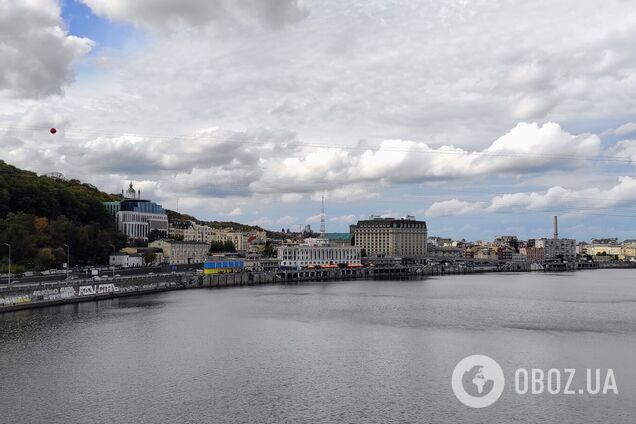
[390, 236]
[182, 252]
[304, 256]
[554, 248]
[136, 217]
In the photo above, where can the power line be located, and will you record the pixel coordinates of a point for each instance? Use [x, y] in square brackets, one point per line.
[242, 139]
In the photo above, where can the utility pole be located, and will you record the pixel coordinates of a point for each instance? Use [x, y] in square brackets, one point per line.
[68, 258]
[9, 278]
[113, 266]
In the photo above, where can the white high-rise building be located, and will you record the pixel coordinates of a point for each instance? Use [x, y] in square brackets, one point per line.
[136, 217]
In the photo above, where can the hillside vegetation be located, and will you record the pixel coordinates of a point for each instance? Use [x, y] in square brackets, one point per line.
[176, 216]
[38, 215]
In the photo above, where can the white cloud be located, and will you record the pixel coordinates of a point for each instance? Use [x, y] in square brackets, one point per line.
[532, 107]
[624, 129]
[454, 207]
[291, 197]
[575, 201]
[345, 219]
[313, 219]
[36, 52]
[526, 148]
[407, 79]
[235, 212]
[287, 220]
[624, 149]
[217, 163]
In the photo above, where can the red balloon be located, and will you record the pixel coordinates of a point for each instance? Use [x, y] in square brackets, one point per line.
[53, 130]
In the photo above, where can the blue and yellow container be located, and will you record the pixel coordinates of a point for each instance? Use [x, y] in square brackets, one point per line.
[219, 267]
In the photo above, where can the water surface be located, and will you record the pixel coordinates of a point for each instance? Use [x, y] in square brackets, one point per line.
[359, 352]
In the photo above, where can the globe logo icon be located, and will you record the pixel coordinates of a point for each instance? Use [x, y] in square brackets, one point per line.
[477, 381]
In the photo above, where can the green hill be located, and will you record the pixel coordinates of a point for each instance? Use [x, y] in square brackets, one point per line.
[38, 215]
[176, 216]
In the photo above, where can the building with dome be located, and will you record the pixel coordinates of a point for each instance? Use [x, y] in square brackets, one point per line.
[137, 217]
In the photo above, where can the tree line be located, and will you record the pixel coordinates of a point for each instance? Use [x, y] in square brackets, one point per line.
[39, 215]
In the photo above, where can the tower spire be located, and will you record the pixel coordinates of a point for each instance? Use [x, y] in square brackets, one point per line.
[322, 218]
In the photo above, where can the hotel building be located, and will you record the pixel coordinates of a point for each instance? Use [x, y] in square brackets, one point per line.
[390, 236]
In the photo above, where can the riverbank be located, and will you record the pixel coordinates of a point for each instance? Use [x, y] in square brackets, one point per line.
[46, 293]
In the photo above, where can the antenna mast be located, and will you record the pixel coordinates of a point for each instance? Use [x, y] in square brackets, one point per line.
[322, 218]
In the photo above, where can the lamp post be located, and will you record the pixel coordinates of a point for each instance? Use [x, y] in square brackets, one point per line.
[68, 258]
[9, 277]
[113, 265]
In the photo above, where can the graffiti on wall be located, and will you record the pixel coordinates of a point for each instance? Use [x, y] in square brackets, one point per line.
[98, 289]
[54, 294]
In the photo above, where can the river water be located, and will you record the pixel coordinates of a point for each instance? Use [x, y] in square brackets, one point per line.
[340, 352]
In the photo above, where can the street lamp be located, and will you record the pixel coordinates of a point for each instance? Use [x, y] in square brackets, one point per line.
[68, 259]
[113, 265]
[9, 278]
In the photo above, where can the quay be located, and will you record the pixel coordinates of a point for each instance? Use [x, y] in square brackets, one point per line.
[44, 293]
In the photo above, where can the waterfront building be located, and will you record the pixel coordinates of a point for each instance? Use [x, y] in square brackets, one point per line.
[136, 217]
[603, 249]
[182, 252]
[445, 253]
[303, 256]
[239, 239]
[191, 231]
[126, 260]
[440, 242]
[518, 257]
[557, 248]
[486, 254]
[534, 254]
[223, 266]
[259, 263]
[607, 240]
[554, 248]
[628, 250]
[182, 230]
[509, 241]
[390, 236]
[151, 252]
[504, 252]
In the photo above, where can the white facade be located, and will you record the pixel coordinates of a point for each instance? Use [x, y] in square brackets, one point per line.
[137, 225]
[191, 231]
[182, 252]
[302, 256]
[125, 260]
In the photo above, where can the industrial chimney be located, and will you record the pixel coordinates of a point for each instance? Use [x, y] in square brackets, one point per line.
[556, 228]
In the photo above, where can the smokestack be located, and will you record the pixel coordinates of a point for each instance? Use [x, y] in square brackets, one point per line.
[556, 227]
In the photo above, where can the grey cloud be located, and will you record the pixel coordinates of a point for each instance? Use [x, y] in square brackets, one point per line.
[36, 53]
[199, 13]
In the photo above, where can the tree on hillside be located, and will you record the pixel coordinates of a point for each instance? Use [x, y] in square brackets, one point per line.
[38, 215]
[154, 235]
[149, 257]
[269, 250]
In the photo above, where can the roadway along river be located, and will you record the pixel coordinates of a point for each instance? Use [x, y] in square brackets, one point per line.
[342, 352]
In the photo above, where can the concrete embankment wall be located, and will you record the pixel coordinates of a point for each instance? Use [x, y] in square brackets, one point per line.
[53, 293]
[48, 293]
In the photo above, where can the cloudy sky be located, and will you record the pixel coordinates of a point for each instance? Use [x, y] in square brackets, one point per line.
[483, 117]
